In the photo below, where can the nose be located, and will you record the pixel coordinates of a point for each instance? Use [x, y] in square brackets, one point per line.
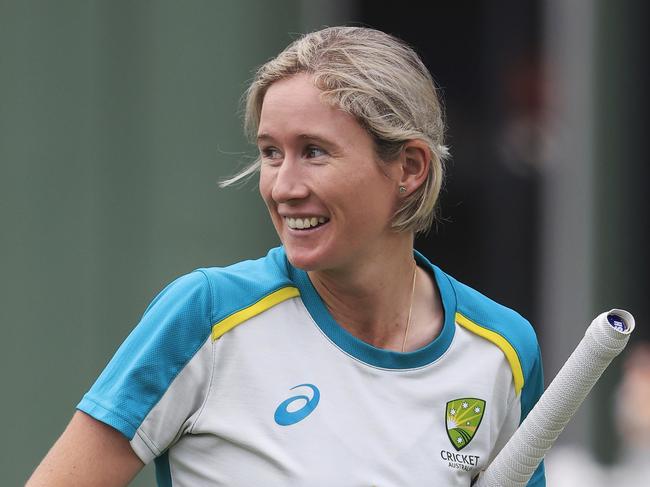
[289, 183]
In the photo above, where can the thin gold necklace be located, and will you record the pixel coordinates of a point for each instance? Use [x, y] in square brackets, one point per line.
[408, 320]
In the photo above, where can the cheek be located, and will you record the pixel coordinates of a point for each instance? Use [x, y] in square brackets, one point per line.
[368, 208]
[377, 192]
[265, 187]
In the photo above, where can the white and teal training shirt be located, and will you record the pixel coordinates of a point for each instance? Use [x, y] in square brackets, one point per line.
[239, 376]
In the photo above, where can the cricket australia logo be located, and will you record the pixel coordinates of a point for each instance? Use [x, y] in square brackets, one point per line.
[463, 418]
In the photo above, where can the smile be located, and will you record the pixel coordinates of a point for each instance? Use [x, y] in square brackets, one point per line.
[305, 223]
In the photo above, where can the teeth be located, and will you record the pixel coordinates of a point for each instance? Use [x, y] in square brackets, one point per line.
[304, 223]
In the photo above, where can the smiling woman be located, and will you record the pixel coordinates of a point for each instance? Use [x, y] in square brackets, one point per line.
[323, 176]
[343, 357]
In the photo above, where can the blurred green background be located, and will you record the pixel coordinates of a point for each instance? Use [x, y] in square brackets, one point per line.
[118, 118]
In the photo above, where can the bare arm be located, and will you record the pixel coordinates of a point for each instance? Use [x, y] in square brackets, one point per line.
[87, 453]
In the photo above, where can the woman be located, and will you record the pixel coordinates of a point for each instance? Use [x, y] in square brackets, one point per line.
[342, 357]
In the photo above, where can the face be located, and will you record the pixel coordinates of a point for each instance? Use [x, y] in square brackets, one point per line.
[330, 199]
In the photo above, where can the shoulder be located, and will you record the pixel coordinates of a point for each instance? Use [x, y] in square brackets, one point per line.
[238, 286]
[487, 313]
[173, 332]
[502, 326]
[194, 302]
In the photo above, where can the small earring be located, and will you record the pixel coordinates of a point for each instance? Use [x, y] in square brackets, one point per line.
[402, 189]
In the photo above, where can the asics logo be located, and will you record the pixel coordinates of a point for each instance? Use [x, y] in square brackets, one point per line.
[285, 415]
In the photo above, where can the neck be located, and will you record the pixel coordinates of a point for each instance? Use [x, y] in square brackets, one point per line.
[372, 298]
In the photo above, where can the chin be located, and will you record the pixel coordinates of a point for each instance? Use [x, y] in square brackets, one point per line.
[307, 259]
[301, 260]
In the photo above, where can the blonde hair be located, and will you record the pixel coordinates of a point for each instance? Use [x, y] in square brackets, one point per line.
[379, 80]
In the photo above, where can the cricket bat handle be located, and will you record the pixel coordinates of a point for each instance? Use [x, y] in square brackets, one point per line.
[604, 339]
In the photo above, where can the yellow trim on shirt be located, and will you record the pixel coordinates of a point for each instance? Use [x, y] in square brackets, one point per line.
[267, 302]
[499, 341]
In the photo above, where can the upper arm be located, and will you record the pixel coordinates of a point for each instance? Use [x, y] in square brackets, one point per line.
[158, 378]
[88, 453]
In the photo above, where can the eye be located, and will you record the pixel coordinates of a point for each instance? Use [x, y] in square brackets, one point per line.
[270, 154]
[313, 151]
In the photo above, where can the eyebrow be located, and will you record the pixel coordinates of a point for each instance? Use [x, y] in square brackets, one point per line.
[264, 136]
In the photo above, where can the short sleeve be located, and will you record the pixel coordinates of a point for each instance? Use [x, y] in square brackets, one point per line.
[159, 359]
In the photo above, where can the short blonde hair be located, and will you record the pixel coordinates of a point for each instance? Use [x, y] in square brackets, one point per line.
[379, 80]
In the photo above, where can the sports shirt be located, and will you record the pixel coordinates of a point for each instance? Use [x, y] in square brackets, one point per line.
[240, 376]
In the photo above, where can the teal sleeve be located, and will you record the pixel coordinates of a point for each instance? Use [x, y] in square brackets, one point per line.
[172, 329]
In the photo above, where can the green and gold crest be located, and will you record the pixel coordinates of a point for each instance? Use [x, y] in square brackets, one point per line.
[463, 419]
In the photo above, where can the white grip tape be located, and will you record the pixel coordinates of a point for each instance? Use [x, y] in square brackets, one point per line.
[520, 457]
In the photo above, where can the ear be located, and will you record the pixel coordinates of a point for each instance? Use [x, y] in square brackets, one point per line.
[414, 163]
